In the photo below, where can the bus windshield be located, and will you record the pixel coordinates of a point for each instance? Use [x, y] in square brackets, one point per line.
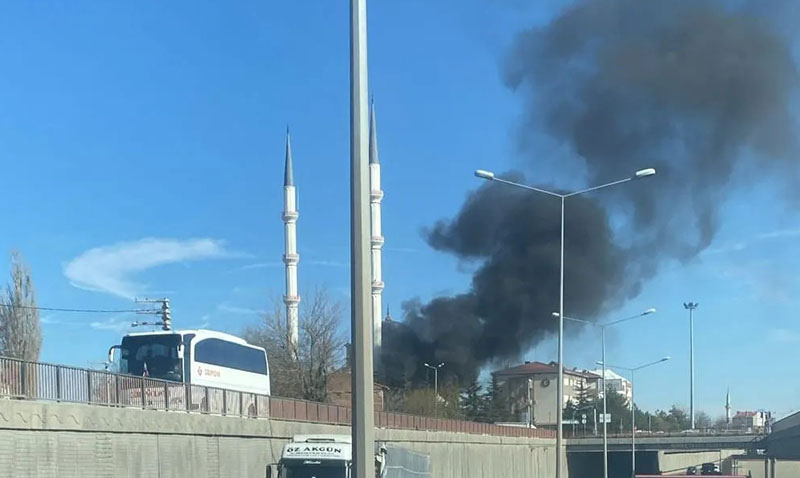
[155, 356]
[315, 471]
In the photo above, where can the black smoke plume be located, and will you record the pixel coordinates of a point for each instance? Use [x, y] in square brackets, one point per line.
[699, 91]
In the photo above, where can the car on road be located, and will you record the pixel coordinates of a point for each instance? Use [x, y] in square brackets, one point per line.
[692, 470]
[710, 469]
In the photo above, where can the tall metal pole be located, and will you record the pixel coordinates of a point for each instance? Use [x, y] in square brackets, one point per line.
[605, 411]
[690, 306]
[633, 427]
[560, 387]
[436, 392]
[360, 280]
[691, 365]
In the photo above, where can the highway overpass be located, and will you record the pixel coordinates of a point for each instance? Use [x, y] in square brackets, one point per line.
[681, 442]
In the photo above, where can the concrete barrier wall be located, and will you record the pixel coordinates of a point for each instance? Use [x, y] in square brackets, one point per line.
[763, 467]
[672, 462]
[71, 440]
[784, 441]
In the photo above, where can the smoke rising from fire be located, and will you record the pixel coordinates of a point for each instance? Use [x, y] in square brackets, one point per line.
[696, 90]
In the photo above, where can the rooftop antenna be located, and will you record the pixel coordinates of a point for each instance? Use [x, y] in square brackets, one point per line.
[164, 312]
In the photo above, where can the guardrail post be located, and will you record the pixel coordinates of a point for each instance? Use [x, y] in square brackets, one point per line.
[23, 372]
[116, 389]
[58, 383]
[89, 386]
[166, 396]
[141, 383]
[255, 405]
[241, 404]
[187, 396]
[224, 402]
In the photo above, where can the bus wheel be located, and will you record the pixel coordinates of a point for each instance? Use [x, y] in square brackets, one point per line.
[251, 411]
[203, 406]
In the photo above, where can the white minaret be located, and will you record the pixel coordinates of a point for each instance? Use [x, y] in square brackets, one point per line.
[375, 197]
[290, 257]
[728, 406]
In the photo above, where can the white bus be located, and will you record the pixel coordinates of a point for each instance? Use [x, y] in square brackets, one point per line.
[197, 357]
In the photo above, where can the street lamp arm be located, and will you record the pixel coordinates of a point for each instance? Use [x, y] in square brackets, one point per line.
[573, 319]
[651, 363]
[634, 369]
[531, 188]
[647, 312]
[595, 188]
[628, 369]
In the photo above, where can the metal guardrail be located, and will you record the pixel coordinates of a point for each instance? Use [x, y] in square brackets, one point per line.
[20, 379]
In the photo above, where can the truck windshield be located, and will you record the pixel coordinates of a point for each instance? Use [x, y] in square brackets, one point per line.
[315, 471]
[155, 356]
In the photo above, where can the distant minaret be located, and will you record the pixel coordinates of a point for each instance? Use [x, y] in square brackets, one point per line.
[290, 257]
[375, 197]
[728, 406]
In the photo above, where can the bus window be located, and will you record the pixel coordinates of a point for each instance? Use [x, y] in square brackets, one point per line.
[152, 355]
[231, 355]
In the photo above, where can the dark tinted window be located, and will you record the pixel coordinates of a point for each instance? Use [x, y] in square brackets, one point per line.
[151, 355]
[227, 354]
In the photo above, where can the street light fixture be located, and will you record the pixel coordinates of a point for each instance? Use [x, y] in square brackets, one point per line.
[603, 328]
[435, 386]
[633, 370]
[490, 176]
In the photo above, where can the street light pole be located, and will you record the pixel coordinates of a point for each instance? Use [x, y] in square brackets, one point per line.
[435, 387]
[691, 306]
[560, 387]
[633, 425]
[603, 328]
[361, 319]
[633, 370]
[488, 175]
[605, 411]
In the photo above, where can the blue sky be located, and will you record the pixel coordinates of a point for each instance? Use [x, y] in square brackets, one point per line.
[142, 150]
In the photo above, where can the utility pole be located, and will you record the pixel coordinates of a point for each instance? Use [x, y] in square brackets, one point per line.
[691, 306]
[360, 277]
[164, 312]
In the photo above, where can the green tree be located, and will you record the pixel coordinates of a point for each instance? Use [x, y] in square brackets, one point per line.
[498, 403]
[583, 397]
[473, 402]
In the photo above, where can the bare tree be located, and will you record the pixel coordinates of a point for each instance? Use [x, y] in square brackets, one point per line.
[20, 330]
[319, 351]
[702, 420]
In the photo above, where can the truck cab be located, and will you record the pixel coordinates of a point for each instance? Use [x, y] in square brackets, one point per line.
[321, 456]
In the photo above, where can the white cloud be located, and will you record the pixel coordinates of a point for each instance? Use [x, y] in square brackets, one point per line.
[114, 324]
[233, 309]
[110, 268]
[205, 322]
[780, 233]
[259, 265]
[400, 249]
[739, 246]
[784, 336]
[49, 319]
[327, 263]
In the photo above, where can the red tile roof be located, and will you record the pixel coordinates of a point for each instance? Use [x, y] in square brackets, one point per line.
[536, 368]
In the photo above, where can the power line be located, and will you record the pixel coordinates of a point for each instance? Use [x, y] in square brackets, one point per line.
[98, 311]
